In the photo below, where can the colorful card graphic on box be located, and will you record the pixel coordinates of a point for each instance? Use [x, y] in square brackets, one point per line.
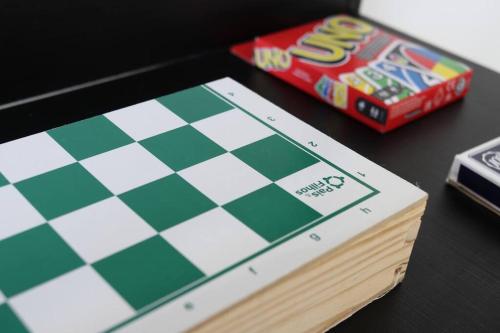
[332, 91]
[388, 90]
[162, 206]
[380, 68]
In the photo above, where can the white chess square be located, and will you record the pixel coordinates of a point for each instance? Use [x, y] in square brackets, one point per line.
[214, 240]
[232, 129]
[145, 119]
[80, 300]
[323, 188]
[125, 168]
[16, 213]
[30, 156]
[224, 178]
[102, 229]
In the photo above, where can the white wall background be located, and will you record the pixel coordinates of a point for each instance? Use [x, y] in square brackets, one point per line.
[470, 29]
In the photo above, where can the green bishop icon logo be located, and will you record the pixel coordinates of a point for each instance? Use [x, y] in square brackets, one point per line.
[335, 181]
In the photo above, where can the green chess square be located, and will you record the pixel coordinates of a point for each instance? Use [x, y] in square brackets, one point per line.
[167, 202]
[9, 323]
[3, 180]
[194, 104]
[33, 257]
[62, 190]
[90, 137]
[182, 147]
[147, 271]
[271, 212]
[274, 157]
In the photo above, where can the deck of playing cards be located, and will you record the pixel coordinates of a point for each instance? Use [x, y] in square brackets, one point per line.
[476, 172]
[374, 76]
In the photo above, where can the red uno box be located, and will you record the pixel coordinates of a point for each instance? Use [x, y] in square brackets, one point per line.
[376, 77]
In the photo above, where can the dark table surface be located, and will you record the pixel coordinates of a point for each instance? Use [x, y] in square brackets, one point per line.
[453, 280]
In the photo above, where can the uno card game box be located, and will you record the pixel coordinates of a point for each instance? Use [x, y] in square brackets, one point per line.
[182, 212]
[372, 75]
[476, 172]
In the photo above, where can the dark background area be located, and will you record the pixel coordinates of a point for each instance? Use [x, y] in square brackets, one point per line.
[55, 44]
[453, 280]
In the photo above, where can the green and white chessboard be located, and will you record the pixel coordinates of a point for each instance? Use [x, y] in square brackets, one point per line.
[157, 216]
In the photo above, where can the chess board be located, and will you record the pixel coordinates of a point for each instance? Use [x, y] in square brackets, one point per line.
[157, 216]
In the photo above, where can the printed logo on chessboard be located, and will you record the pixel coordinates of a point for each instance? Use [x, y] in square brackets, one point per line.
[322, 186]
[490, 158]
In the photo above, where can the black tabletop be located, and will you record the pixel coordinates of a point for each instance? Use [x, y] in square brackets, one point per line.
[453, 280]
